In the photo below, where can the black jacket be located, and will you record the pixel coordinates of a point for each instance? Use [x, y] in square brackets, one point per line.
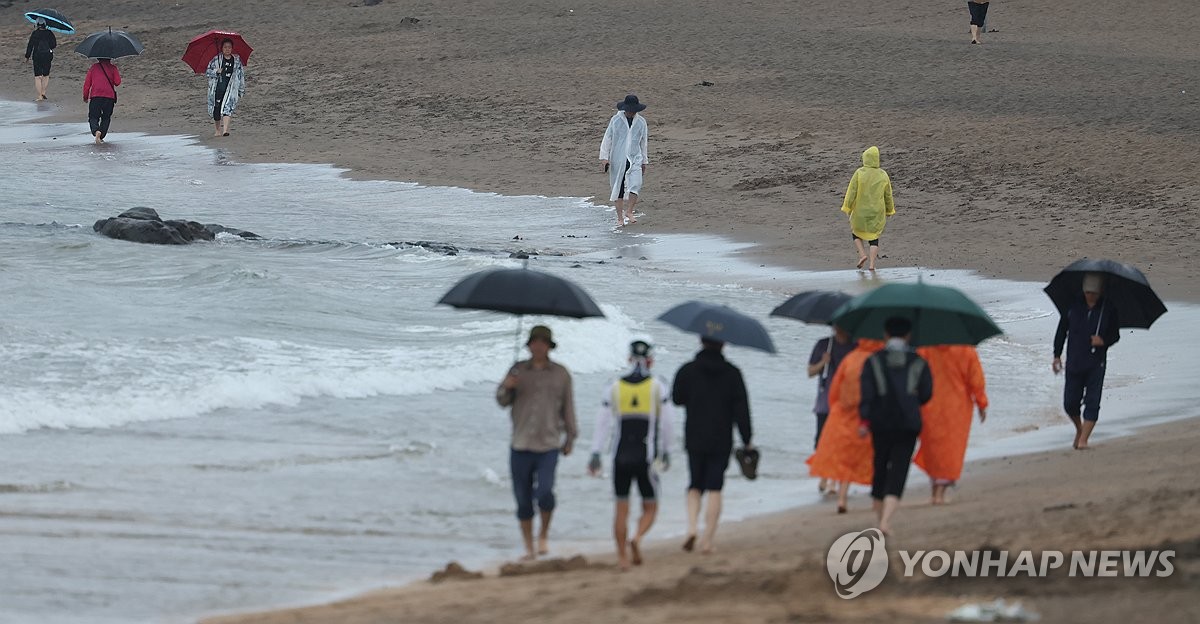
[1076, 328]
[41, 42]
[907, 385]
[714, 394]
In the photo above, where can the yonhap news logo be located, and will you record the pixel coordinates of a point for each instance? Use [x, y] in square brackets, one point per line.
[858, 562]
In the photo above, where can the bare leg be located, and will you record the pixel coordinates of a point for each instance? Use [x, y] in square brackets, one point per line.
[1075, 420]
[1085, 432]
[939, 494]
[544, 535]
[621, 532]
[886, 511]
[862, 253]
[712, 516]
[45, 86]
[99, 137]
[974, 33]
[630, 204]
[527, 536]
[823, 486]
[874, 256]
[225, 124]
[843, 496]
[216, 128]
[649, 513]
[620, 212]
[693, 518]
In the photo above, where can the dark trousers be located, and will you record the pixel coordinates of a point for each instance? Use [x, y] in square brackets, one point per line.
[100, 110]
[893, 454]
[533, 480]
[1084, 388]
[821, 418]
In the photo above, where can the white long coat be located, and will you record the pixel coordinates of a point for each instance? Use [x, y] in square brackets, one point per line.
[625, 144]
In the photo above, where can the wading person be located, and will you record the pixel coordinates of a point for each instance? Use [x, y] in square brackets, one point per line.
[959, 388]
[1088, 329]
[543, 417]
[823, 363]
[868, 203]
[226, 85]
[635, 425]
[40, 50]
[624, 156]
[896, 382]
[100, 92]
[714, 394]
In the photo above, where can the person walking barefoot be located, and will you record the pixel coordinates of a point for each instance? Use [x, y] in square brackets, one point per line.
[226, 85]
[41, 51]
[624, 155]
[100, 92]
[868, 203]
[978, 11]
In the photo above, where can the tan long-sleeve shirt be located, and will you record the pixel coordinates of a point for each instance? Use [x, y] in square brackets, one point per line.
[543, 407]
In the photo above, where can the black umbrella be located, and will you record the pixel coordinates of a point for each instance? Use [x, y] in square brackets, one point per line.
[721, 323]
[110, 44]
[814, 306]
[55, 20]
[521, 291]
[1125, 288]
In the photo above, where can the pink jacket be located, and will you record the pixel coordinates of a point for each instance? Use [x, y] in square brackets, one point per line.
[101, 80]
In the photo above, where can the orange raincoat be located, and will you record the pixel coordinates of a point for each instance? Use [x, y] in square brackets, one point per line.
[843, 455]
[958, 386]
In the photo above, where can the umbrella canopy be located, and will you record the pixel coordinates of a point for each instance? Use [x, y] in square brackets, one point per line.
[55, 20]
[521, 291]
[718, 322]
[110, 44]
[201, 50]
[814, 306]
[1125, 287]
[940, 315]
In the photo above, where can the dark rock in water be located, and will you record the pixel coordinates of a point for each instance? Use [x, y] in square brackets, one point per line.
[143, 225]
[371, 2]
[455, 572]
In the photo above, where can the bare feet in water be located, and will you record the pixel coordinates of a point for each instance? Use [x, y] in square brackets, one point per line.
[543, 545]
[97, 135]
[635, 552]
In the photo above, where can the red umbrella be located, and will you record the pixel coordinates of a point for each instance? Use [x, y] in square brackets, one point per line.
[202, 49]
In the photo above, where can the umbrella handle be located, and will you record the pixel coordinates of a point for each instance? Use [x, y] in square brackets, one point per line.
[517, 345]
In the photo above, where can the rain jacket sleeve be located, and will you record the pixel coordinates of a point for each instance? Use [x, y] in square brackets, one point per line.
[605, 416]
[606, 144]
[29, 46]
[645, 145]
[976, 383]
[666, 419]
[87, 85]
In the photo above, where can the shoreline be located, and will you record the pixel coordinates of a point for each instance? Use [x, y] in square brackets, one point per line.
[765, 567]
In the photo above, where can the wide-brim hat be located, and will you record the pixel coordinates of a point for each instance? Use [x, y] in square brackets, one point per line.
[630, 104]
[541, 332]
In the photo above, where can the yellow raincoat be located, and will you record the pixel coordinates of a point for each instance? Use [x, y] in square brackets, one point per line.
[869, 198]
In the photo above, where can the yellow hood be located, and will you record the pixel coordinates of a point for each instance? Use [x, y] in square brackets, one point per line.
[871, 157]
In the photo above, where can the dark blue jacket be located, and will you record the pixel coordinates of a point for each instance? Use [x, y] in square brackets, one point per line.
[1076, 329]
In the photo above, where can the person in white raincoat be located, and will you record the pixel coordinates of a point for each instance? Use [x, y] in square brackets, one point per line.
[623, 152]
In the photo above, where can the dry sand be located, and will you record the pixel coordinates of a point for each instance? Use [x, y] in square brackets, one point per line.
[1067, 134]
[772, 569]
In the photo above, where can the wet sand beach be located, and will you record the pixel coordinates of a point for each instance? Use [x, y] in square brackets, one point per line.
[1070, 132]
[772, 569]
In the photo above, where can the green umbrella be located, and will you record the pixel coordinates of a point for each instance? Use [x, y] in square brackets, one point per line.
[940, 315]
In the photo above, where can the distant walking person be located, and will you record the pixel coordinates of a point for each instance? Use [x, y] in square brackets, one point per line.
[635, 423]
[226, 85]
[100, 91]
[978, 19]
[826, 356]
[543, 416]
[714, 394]
[896, 382]
[41, 50]
[1088, 329]
[623, 152]
[868, 202]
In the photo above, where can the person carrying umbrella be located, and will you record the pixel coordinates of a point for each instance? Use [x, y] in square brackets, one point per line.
[226, 85]
[1088, 329]
[636, 420]
[100, 92]
[543, 415]
[959, 388]
[823, 364]
[896, 382]
[868, 203]
[41, 50]
[714, 394]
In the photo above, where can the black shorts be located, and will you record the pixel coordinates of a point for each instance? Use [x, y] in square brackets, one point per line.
[707, 471]
[41, 64]
[873, 243]
[978, 12]
[621, 195]
[624, 476]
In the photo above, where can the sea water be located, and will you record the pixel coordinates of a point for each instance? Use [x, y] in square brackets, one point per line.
[244, 424]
